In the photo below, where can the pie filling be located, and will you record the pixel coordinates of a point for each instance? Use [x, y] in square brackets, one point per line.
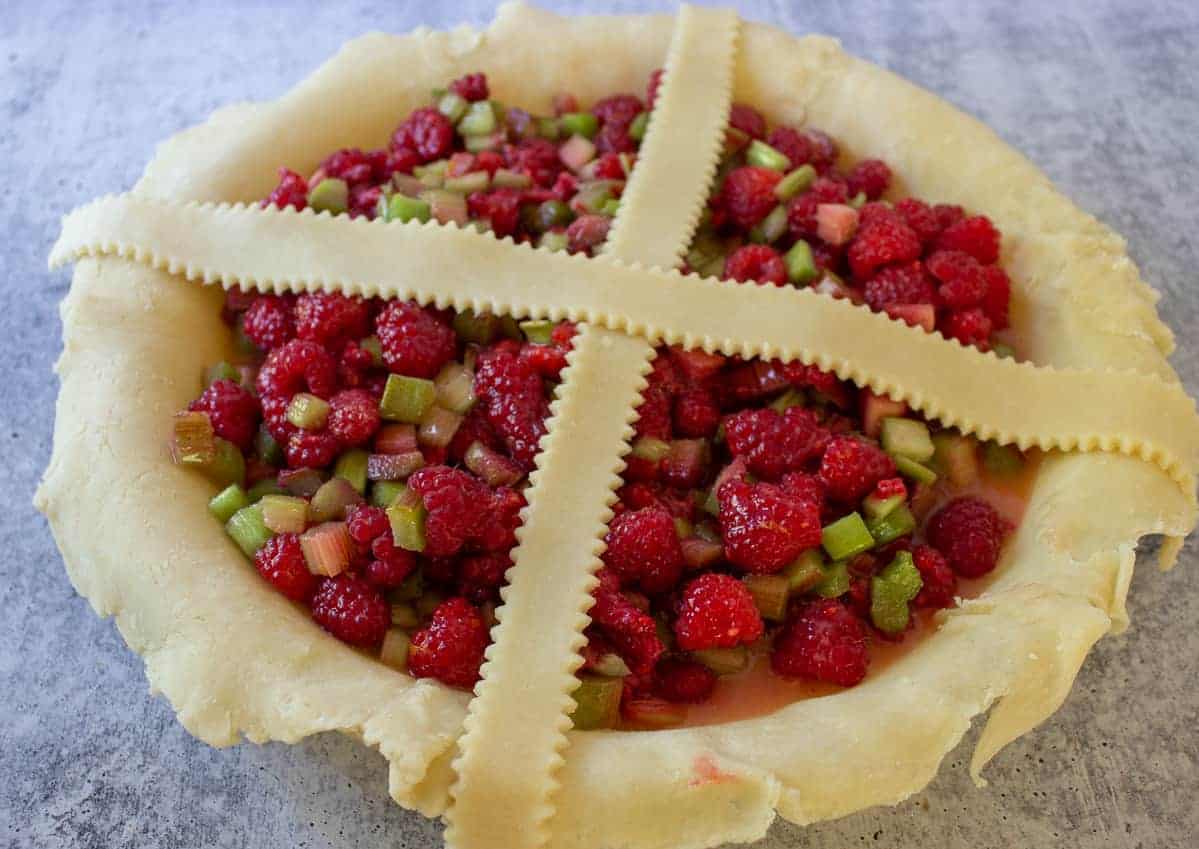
[777, 527]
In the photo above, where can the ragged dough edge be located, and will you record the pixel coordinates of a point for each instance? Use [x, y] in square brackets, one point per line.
[598, 766]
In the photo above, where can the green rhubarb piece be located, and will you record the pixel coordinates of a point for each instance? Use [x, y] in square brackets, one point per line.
[284, 514]
[351, 466]
[427, 602]
[956, 457]
[505, 178]
[638, 126]
[610, 207]
[330, 501]
[384, 493]
[407, 517]
[265, 487]
[455, 385]
[223, 370]
[268, 450]
[906, 438]
[764, 156]
[683, 528]
[801, 266]
[795, 182]
[651, 449]
[537, 332]
[770, 594]
[404, 208]
[307, 411]
[550, 214]
[478, 144]
[597, 702]
[479, 328]
[243, 343]
[723, 661]
[374, 347]
[329, 195]
[227, 465]
[805, 572]
[790, 398]
[548, 128]
[876, 508]
[510, 328]
[1004, 352]
[395, 649]
[611, 665]
[858, 200]
[248, 530]
[406, 399]
[453, 106]
[552, 241]
[479, 119]
[834, 583]
[227, 502]
[412, 588]
[592, 196]
[1002, 459]
[891, 590]
[846, 537]
[711, 504]
[892, 526]
[771, 228]
[918, 472]
[579, 124]
[403, 615]
[475, 181]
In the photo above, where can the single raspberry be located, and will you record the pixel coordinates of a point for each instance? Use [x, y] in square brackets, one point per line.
[651, 89]
[292, 190]
[618, 109]
[920, 217]
[587, 232]
[871, 177]
[801, 210]
[940, 583]
[764, 528]
[748, 120]
[773, 443]
[513, 397]
[609, 167]
[717, 611]
[683, 681]
[355, 165]
[999, 293]
[631, 630]
[471, 87]
[759, 263]
[547, 360]
[353, 417]
[970, 327]
[877, 212]
[962, 283]
[450, 648]
[948, 214]
[899, 284]
[824, 150]
[312, 449]
[747, 383]
[426, 132]
[822, 641]
[501, 207]
[401, 161]
[696, 414]
[331, 318]
[890, 487]
[268, 322]
[793, 144]
[352, 610]
[389, 572]
[480, 576]
[538, 158]
[366, 523]
[635, 496]
[748, 194]
[882, 243]
[969, 532]
[824, 383]
[975, 235]
[643, 547]
[453, 500]
[654, 414]
[415, 342]
[500, 520]
[851, 467]
[281, 562]
[232, 410]
[615, 138]
[297, 366]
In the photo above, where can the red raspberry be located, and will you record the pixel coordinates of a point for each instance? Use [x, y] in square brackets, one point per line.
[760, 263]
[232, 410]
[500, 521]
[297, 366]
[969, 532]
[920, 217]
[940, 584]
[793, 144]
[426, 132]
[547, 360]
[748, 120]
[474, 428]
[635, 496]
[587, 232]
[970, 327]
[281, 562]
[880, 243]
[291, 191]
[774, 443]
[824, 150]
[764, 528]
[501, 207]
[312, 449]
[366, 523]
[351, 610]
[513, 397]
[948, 214]
[683, 681]
[643, 547]
[331, 318]
[450, 648]
[899, 284]
[822, 641]
[695, 413]
[962, 283]
[415, 342]
[890, 487]
[654, 414]
[651, 89]
[356, 166]
[877, 212]
[975, 235]
[609, 167]
[631, 630]
[268, 322]
[717, 611]
[480, 576]
[801, 211]
[999, 292]
[471, 87]
[871, 177]
[748, 194]
[850, 468]
[538, 158]
[353, 417]
[563, 334]
[453, 500]
[393, 568]
[618, 110]
[615, 138]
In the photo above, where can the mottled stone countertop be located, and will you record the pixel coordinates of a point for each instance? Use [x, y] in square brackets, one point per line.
[1103, 95]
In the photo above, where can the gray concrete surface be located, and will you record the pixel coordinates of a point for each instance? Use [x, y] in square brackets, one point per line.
[1103, 95]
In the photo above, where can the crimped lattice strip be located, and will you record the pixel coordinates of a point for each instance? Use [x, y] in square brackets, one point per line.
[521, 708]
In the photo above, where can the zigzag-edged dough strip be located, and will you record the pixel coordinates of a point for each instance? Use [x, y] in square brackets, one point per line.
[520, 713]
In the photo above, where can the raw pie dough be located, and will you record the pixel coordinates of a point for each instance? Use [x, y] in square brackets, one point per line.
[136, 336]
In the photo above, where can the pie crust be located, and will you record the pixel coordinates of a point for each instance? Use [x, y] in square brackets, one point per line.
[237, 659]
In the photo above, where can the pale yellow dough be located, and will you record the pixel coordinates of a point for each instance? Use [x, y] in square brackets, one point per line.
[136, 338]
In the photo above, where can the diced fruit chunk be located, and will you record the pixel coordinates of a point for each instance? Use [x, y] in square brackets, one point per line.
[906, 438]
[846, 537]
[890, 527]
[597, 702]
[248, 530]
[890, 592]
[328, 548]
[406, 399]
[330, 501]
[956, 457]
[351, 467]
[227, 502]
[407, 517]
[723, 661]
[395, 649]
[284, 514]
[770, 594]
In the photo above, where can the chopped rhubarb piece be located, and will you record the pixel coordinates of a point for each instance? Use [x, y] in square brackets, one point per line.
[611, 665]
[909, 438]
[227, 502]
[700, 553]
[835, 581]
[329, 503]
[393, 467]
[890, 592]
[893, 525]
[194, 440]
[597, 702]
[407, 517]
[916, 471]
[836, 223]
[330, 195]
[307, 411]
[284, 514]
[875, 408]
[576, 152]
[764, 156]
[846, 537]
[228, 464]
[723, 661]
[650, 449]
[302, 482]
[579, 123]
[956, 457]
[455, 386]
[406, 399]
[795, 182]
[806, 572]
[438, 426]
[396, 439]
[401, 207]
[770, 594]
[915, 315]
[384, 493]
[248, 530]
[328, 548]
[351, 466]
[403, 615]
[650, 712]
[494, 468]
[395, 649]
[446, 207]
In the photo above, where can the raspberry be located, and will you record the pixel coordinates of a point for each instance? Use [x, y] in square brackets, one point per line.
[870, 177]
[512, 395]
[635, 496]
[353, 417]
[822, 641]
[414, 341]
[297, 366]
[614, 138]
[401, 161]
[824, 150]
[969, 532]
[426, 132]
[631, 630]
[999, 292]
[850, 468]
[948, 214]
[760, 263]
[268, 322]
[471, 87]
[609, 167]
[311, 449]
[899, 284]
[695, 413]
[587, 232]
[889, 487]
[683, 681]
[450, 648]
[793, 144]
[748, 194]
[940, 584]
[651, 89]
[281, 562]
[717, 611]
[474, 428]
[291, 191]
[453, 500]
[748, 120]
[547, 360]
[801, 211]
[962, 282]
[481, 575]
[389, 572]
[774, 443]
[920, 217]
[366, 523]
[643, 548]
[877, 213]
[654, 414]
[764, 528]
[618, 110]
[501, 207]
[880, 243]
[536, 157]
[232, 410]
[975, 235]
[351, 610]
[331, 318]
[500, 521]
[970, 327]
